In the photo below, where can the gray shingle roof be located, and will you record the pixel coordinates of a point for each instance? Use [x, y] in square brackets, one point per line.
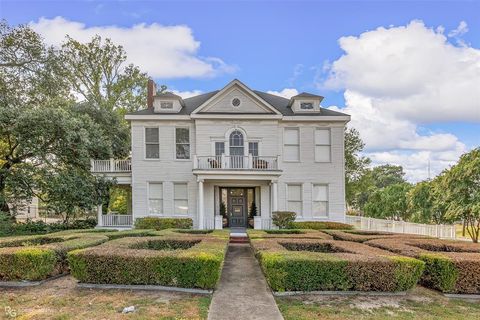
[279, 103]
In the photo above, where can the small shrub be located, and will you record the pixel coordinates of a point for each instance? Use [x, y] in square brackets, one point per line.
[315, 264]
[157, 223]
[182, 261]
[284, 231]
[283, 219]
[454, 270]
[26, 264]
[322, 225]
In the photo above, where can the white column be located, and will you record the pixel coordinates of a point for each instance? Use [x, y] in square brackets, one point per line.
[99, 216]
[274, 196]
[200, 205]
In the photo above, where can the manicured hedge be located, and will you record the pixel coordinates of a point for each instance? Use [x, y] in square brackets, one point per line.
[288, 233]
[321, 225]
[157, 223]
[362, 236]
[184, 260]
[450, 266]
[39, 257]
[314, 264]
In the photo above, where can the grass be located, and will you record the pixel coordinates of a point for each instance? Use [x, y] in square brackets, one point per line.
[421, 304]
[60, 299]
[459, 232]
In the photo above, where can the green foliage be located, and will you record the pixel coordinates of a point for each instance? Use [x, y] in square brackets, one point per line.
[321, 225]
[163, 223]
[389, 202]
[118, 200]
[387, 175]
[283, 219]
[97, 71]
[30, 227]
[407, 272]
[223, 209]
[460, 192]
[26, 264]
[355, 164]
[440, 272]
[188, 261]
[284, 231]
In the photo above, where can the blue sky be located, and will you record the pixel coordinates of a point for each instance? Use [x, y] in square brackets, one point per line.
[277, 45]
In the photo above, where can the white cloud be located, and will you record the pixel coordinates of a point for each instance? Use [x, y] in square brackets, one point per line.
[460, 30]
[162, 51]
[187, 94]
[286, 93]
[399, 78]
[412, 72]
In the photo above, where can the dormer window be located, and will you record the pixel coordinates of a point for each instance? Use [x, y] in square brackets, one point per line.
[166, 104]
[306, 105]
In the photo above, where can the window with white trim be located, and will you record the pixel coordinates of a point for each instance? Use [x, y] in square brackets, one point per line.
[155, 198]
[322, 145]
[180, 198]
[182, 143]
[253, 148]
[166, 104]
[291, 148]
[320, 200]
[152, 144]
[294, 198]
[219, 148]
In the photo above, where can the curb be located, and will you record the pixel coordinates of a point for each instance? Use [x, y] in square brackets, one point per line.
[462, 296]
[26, 283]
[339, 293]
[142, 287]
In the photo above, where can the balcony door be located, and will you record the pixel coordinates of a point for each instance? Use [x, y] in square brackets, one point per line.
[237, 151]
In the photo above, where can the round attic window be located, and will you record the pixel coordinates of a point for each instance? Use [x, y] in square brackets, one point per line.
[236, 102]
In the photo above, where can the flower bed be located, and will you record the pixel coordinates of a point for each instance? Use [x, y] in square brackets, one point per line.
[362, 236]
[180, 260]
[40, 257]
[314, 264]
[450, 266]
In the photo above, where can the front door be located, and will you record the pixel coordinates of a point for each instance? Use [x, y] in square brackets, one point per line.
[237, 207]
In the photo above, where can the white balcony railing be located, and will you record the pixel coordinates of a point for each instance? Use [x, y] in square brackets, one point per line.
[117, 220]
[111, 165]
[224, 162]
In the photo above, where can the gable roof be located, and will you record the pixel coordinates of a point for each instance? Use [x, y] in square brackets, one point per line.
[280, 104]
[247, 90]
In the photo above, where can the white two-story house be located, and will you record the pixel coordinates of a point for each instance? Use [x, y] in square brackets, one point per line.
[227, 151]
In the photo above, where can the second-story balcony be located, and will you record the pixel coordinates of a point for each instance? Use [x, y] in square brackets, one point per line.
[111, 166]
[224, 162]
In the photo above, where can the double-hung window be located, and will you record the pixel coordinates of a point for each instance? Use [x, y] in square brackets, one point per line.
[320, 200]
[180, 196]
[182, 143]
[294, 198]
[253, 148]
[322, 145]
[152, 144]
[155, 198]
[219, 148]
[291, 147]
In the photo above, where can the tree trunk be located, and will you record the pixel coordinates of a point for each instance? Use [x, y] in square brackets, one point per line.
[3, 202]
[463, 228]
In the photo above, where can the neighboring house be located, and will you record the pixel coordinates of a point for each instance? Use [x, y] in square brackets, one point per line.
[236, 146]
[26, 210]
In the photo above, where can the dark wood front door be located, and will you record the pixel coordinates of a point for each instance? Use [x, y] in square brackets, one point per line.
[237, 208]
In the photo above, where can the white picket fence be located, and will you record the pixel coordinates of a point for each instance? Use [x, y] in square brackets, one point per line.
[433, 230]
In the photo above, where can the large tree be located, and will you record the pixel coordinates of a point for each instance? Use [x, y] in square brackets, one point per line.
[355, 164]
[46, 138]
[98, 73]
[389, 202]
[460, 187]
[387, 175]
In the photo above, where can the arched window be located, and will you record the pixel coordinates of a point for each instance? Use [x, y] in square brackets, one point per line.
[236, 143]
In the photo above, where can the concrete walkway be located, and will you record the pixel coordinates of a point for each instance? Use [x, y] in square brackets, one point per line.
[242, 292]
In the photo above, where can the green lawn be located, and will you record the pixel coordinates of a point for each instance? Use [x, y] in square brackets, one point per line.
[421, 303]
[60, 299]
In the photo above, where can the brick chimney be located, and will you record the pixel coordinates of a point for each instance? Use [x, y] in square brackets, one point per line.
[151, 91]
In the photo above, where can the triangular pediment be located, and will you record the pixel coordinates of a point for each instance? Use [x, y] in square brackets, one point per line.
[236, 98]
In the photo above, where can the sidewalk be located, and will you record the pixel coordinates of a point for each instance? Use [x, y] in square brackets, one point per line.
[243, 292]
